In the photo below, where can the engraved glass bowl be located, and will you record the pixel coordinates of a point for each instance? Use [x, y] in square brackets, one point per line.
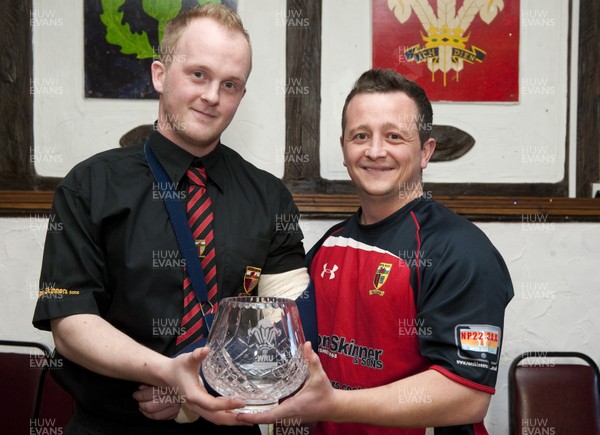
[256, 351]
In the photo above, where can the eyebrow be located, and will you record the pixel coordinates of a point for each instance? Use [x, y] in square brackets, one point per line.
[197, 66]
[385, 126]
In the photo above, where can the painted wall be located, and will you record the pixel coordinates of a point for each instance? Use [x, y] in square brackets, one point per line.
[514, 142]
[68, 127]
[554, 268]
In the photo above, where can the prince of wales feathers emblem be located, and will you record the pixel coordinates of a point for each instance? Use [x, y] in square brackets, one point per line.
[263, 337]
[445, 46]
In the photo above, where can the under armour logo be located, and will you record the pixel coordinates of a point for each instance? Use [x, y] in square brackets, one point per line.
[331, 271]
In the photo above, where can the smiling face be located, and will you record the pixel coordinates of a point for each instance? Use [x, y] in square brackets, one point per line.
[202, 85]
[382, 151]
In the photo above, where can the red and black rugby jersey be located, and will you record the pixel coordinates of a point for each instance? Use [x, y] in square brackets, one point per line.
[421, 289]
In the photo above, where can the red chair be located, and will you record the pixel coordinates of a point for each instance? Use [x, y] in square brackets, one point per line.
[550, 394]
[21, 371]
[55, 405]
[30, 397]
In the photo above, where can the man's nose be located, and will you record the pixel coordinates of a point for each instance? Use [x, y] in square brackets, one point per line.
[210, 93]
[376, 148]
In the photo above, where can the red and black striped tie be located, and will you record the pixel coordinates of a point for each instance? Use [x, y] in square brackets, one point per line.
[200, 218]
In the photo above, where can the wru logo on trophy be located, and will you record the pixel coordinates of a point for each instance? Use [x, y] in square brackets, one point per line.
[256, 351]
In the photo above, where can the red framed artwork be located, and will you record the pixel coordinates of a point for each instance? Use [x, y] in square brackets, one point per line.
[457, 50]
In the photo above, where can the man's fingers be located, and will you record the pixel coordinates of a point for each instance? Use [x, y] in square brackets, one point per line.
[279, 412]
[198, 355]
[210, 403]
[227, 418]
[144, 393]
[310, 355]
[167, 413]
[157, 406]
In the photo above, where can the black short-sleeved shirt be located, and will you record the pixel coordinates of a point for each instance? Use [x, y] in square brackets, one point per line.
[111, 251]
[422, 289]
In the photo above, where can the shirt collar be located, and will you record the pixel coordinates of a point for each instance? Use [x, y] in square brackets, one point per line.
[175, 160]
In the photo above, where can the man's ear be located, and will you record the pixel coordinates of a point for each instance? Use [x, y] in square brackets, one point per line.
[427, 151]
[159, 71]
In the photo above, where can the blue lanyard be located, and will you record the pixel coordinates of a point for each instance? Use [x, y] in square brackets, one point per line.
[185, 240]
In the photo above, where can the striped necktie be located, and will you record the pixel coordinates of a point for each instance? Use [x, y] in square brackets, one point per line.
[200, 218]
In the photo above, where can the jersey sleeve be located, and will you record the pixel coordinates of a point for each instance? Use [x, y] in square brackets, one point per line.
[73, 269]
[464, 291]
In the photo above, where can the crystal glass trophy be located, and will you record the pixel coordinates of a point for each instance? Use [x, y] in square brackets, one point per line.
[256, 351]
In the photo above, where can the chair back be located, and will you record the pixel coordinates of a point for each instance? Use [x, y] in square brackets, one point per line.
[21, 370]
[55, 405]
[32, 402]
[550, 395]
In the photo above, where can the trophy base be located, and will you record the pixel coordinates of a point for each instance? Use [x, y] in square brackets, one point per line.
[254, 409]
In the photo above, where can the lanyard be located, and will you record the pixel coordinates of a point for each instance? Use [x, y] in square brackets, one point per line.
[185, 240]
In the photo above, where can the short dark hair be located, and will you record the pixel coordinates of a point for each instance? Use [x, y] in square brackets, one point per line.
[375, 81]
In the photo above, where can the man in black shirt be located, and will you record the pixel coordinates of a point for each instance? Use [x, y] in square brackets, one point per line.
[112, 291]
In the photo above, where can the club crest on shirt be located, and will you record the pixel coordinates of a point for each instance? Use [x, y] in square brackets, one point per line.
[381, 276]
[200, 246]
[251, 278]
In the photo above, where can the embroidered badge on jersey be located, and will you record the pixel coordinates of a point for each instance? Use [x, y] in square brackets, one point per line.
[251, 278]
[200, 246]
[381, 277]
[478, 345]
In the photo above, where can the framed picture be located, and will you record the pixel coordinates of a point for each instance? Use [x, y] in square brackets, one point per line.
[458, 51]
[120, 42]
